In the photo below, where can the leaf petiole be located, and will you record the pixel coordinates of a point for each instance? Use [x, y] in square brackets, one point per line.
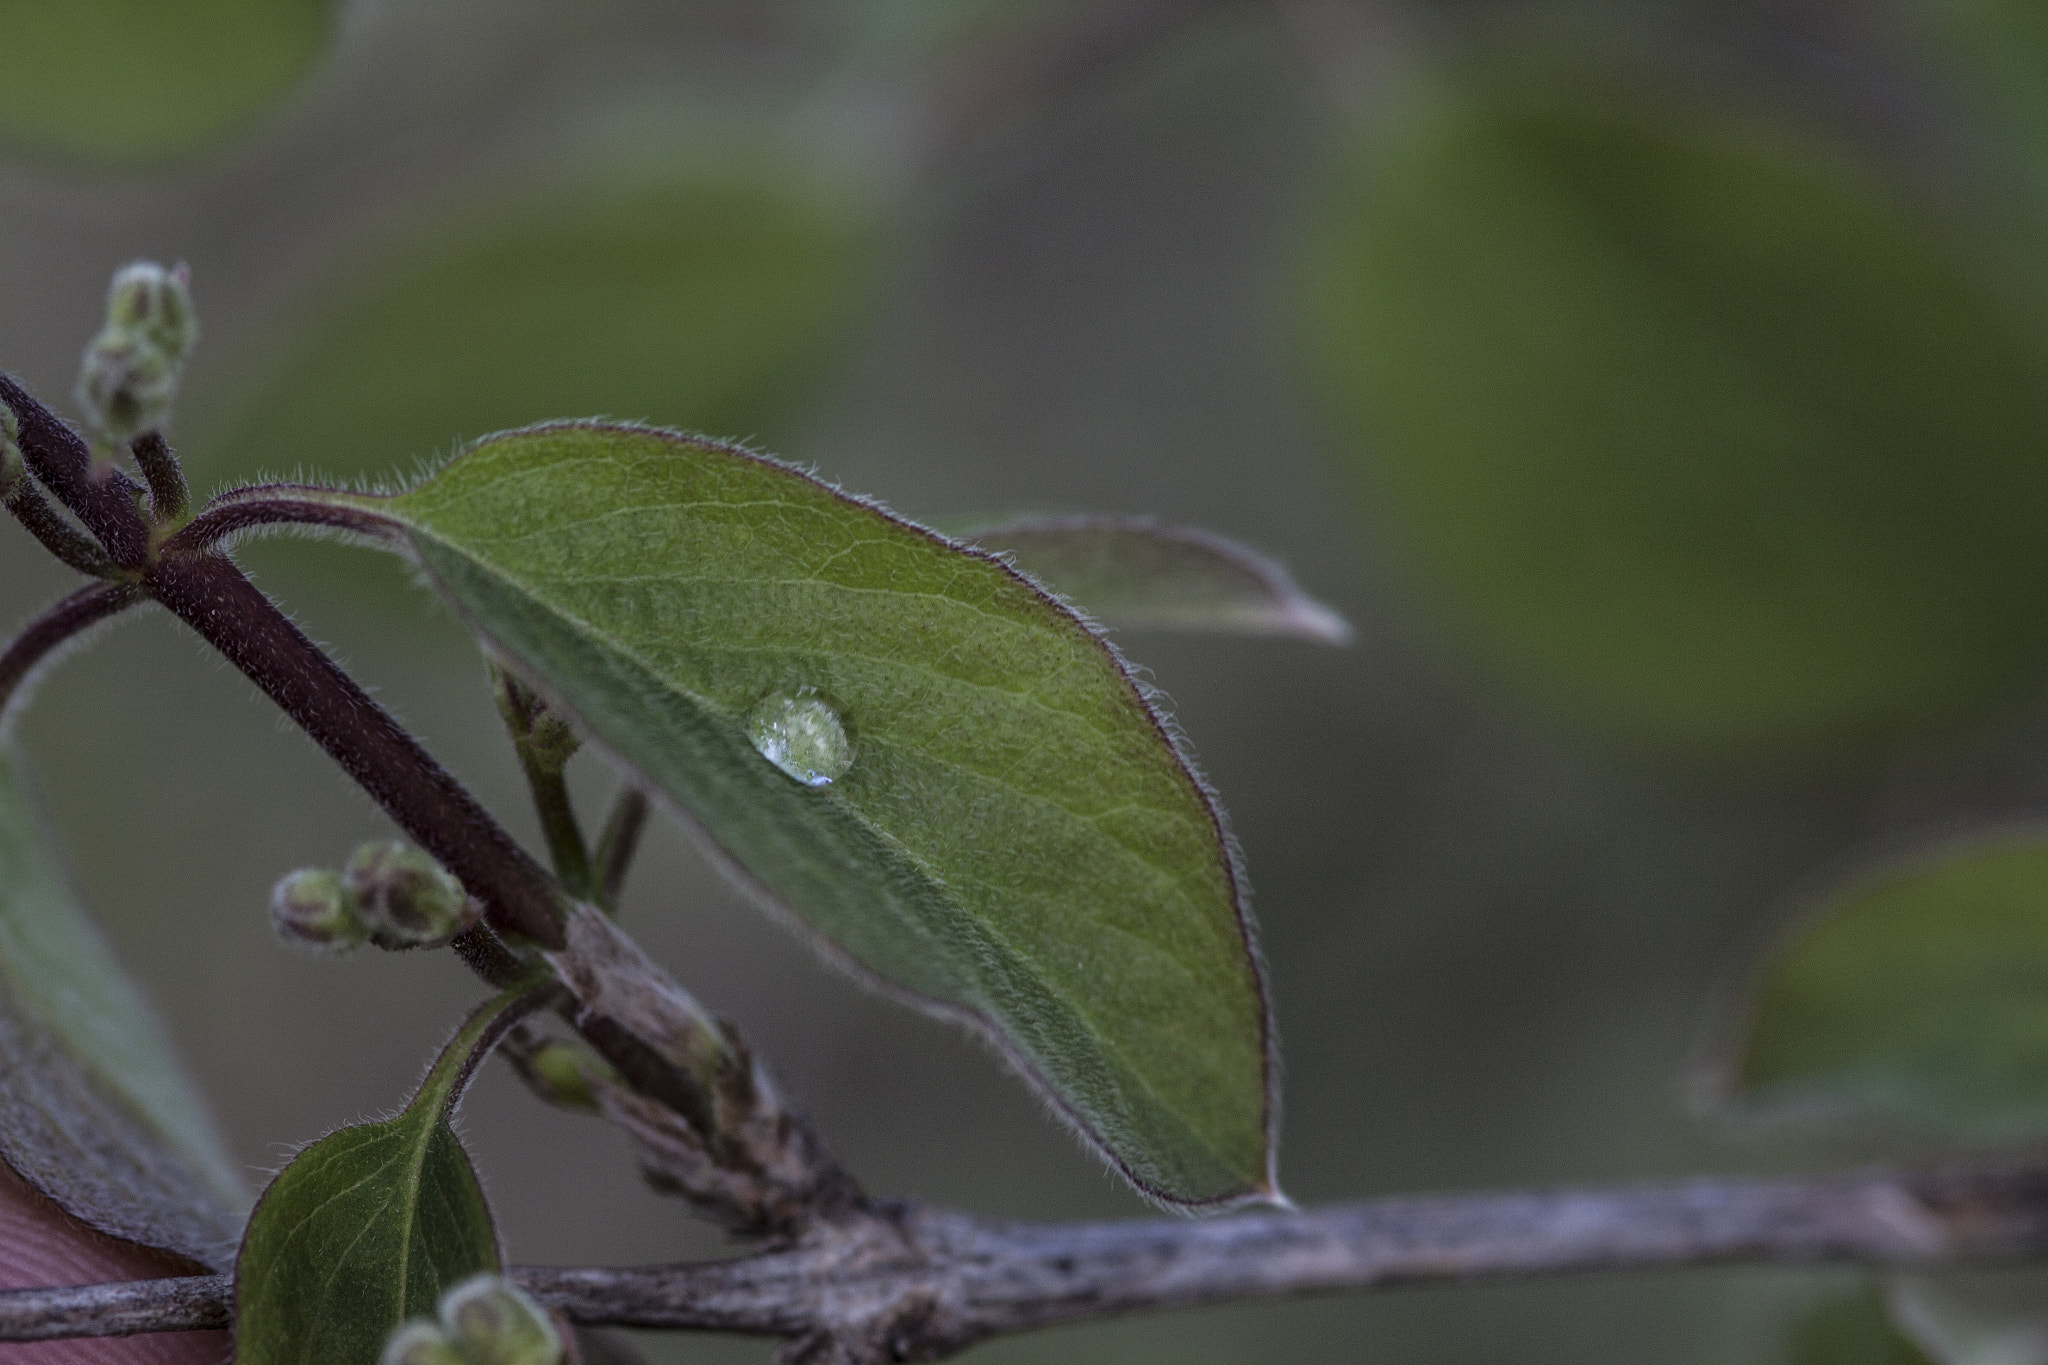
[62, 623]
[618, 843]
[544, 743]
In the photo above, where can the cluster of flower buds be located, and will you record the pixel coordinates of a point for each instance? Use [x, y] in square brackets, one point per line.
[487, 1320]
[389, 893]
[129, 376]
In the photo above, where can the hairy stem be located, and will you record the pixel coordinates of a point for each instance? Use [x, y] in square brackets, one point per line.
[79, 612]
[558, 823]
[544, 745]
[277, 504]
[910, 1283]
[169, 498]
[98, 494]
[618, 843]
[73, 547]
[230, 613]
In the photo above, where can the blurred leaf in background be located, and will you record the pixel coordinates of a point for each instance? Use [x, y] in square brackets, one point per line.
[1689, 416]
[124, 81]
[1850, 1328]
[1976, 1317]
[1997, 51]
[1916, 994]
[711, 304]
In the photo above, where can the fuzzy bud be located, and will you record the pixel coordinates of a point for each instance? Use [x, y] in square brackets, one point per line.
[561, 1070]
[405, 898]
[312, 909]
[493, 1322]
[421, 1343]
[129, 376]
[544, 738]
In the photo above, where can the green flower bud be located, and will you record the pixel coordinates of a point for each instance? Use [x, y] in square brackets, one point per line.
[561, 1071]
[311, 908]
[421, 1343]
[543, 737]
[129, 376]
[493, 1322]
[406, 899]
[155, 305]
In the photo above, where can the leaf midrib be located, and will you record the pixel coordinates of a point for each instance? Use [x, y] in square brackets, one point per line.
[1095, 724]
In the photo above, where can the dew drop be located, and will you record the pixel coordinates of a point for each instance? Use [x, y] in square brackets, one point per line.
[800, 733]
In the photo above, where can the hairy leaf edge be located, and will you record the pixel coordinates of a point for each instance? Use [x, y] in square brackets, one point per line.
[453, 1066]
[393, 533]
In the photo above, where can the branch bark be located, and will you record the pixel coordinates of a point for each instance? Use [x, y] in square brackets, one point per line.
[907, 1282]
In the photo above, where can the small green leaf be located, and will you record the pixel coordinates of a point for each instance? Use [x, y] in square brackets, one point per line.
[1852, 1328]
[128, 80]
[1015, 839]
[95, 1109]
[1917, 994]
[1694, 421]
[1132, 571]
[714, 304]
[370, 1225]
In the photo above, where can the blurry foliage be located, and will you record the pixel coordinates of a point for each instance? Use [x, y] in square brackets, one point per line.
[1701, 425]
[133, 80]
[1996, 1316]
[1696, 420]
[1849, 1329]
[711, 304]
[1998, 52]
[1917, 994]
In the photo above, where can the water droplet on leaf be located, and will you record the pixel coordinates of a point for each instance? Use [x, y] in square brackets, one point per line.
[800, 733]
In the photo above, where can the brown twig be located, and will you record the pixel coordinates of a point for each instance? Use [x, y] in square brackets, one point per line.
[912, 1283]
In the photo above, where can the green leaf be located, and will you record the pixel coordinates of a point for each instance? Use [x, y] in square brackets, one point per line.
[1851, 1328]
[370, 1225]
[1132, 571]
[1018, 841]
[95, 1109]
[129, 80]
[1917, 994]
[1976, 1317]
[713, 304]
[1691, 420]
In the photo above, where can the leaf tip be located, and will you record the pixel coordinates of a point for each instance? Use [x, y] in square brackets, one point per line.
[1268, 1192]
[1310, 619]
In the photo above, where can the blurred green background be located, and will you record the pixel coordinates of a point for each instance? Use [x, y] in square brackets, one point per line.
[1660, 389]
